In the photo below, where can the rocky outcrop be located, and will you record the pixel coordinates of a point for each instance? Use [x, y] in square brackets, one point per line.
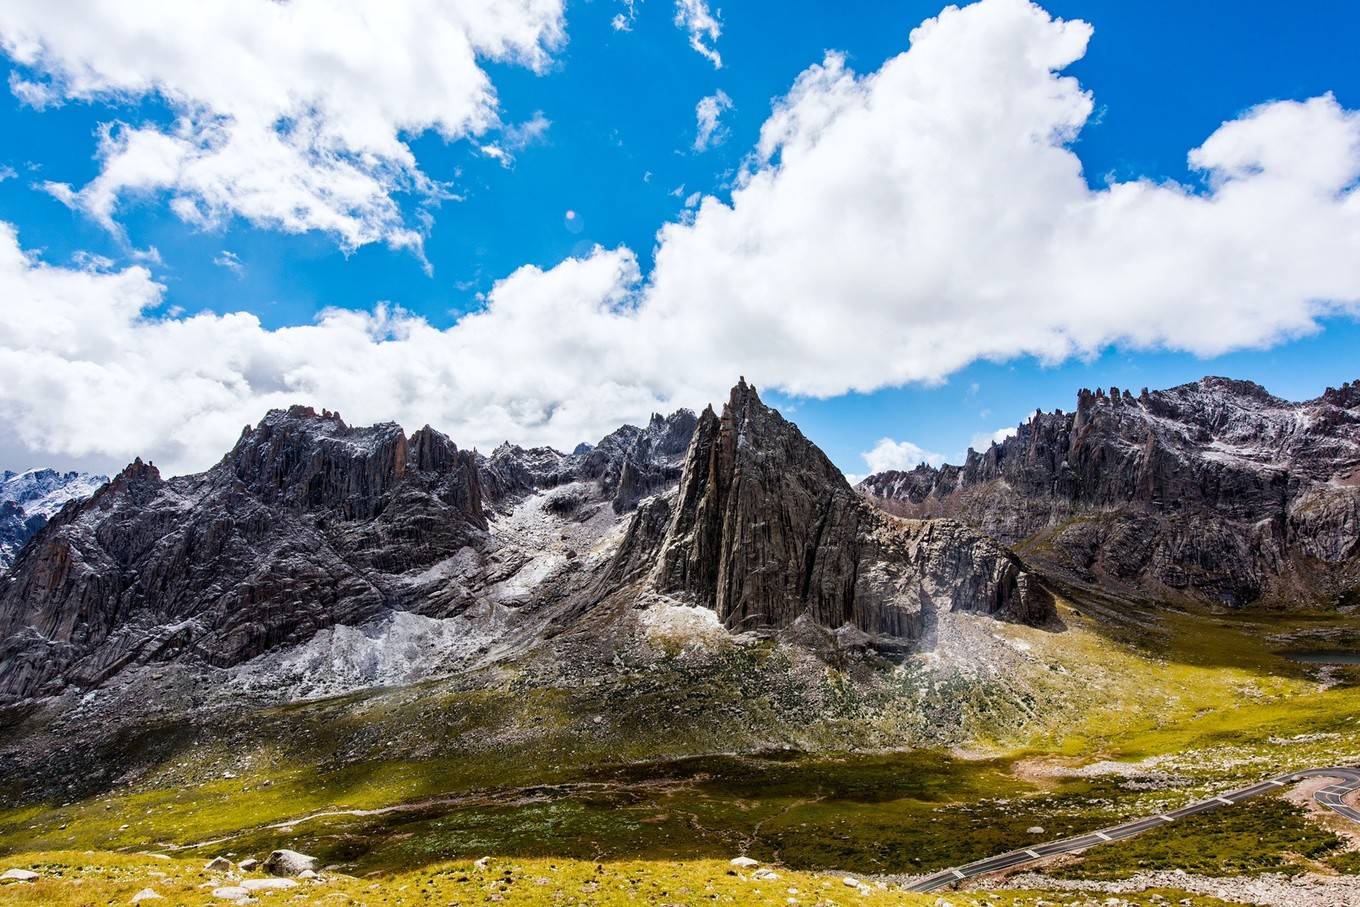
[628, 464]
[765, 530]
[306, 523]
[29, 499]
[1214, 490]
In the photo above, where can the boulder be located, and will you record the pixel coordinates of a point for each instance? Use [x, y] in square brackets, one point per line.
[18, 875]
[744, 862]
[289, 863]
[147, 894]
[267, 884]
[218, 864]
[249, 864]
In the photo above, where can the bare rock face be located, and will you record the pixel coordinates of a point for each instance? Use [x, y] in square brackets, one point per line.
[306, 523]
[765, 530]
[628, 464]
[1215, 490]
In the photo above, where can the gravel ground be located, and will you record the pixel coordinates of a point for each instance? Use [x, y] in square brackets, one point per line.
[1273, 890]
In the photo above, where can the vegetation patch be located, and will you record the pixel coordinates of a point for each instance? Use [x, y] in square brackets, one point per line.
[1267, 835]
[76, 879]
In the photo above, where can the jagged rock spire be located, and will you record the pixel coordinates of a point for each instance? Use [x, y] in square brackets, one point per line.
[766, 530]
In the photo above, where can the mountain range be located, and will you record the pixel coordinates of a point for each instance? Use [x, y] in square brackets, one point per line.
[1215, 492]
[29, 499]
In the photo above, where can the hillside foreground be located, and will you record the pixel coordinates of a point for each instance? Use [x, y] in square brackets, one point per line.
[641, 786]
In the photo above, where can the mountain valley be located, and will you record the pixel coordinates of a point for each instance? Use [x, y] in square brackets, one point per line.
[690, 642]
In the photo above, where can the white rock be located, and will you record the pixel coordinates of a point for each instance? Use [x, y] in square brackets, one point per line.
[218, 864]
[288, 863]
[267, 884]
[308, 874]
[481, 862]
[1034, 830]
[765, 875]
[744, 862]
[248, 864]
[147, 894]
[18, 875]
[850, 882]
[231, 893]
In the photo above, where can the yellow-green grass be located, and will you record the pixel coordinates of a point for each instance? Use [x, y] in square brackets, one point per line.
[100, 878]
[1205, 695]
[1267, 835]
[1199, 683]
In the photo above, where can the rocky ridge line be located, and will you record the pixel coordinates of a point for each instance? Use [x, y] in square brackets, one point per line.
[1214, 490]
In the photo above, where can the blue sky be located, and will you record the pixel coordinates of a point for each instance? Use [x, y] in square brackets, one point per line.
[620, 155]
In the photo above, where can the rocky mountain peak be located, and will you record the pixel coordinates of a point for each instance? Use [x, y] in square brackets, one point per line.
[766, 531]
[1347, 396]
[310, 462]
[627, 464]
[1214, 489]
[28, 500]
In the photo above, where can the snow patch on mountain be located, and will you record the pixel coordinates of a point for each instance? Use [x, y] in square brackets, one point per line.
[29, 499]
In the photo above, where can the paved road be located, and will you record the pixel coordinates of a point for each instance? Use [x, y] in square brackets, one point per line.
[1332, 797]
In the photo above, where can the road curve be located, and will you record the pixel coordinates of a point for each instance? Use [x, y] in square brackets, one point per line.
[1332, 797]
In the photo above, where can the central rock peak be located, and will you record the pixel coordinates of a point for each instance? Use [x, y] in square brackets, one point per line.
[766, 530]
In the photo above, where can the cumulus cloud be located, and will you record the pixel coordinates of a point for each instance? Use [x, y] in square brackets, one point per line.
[92, 367]
[707, 113]
[901, 455]
[889, 227]
[702, 25]
[294, 116]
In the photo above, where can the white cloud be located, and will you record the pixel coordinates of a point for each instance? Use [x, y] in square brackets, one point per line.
[231, 261]
[901, 455]
[702, 25]
[7, 172]
[983, 441]
[624, 21]
[896, 226]
[516, 138]
[889, 228]
[89, 369]
[294, 116]
[708, 130]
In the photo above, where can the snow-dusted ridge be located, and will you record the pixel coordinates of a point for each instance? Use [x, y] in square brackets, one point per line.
[29, 499]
